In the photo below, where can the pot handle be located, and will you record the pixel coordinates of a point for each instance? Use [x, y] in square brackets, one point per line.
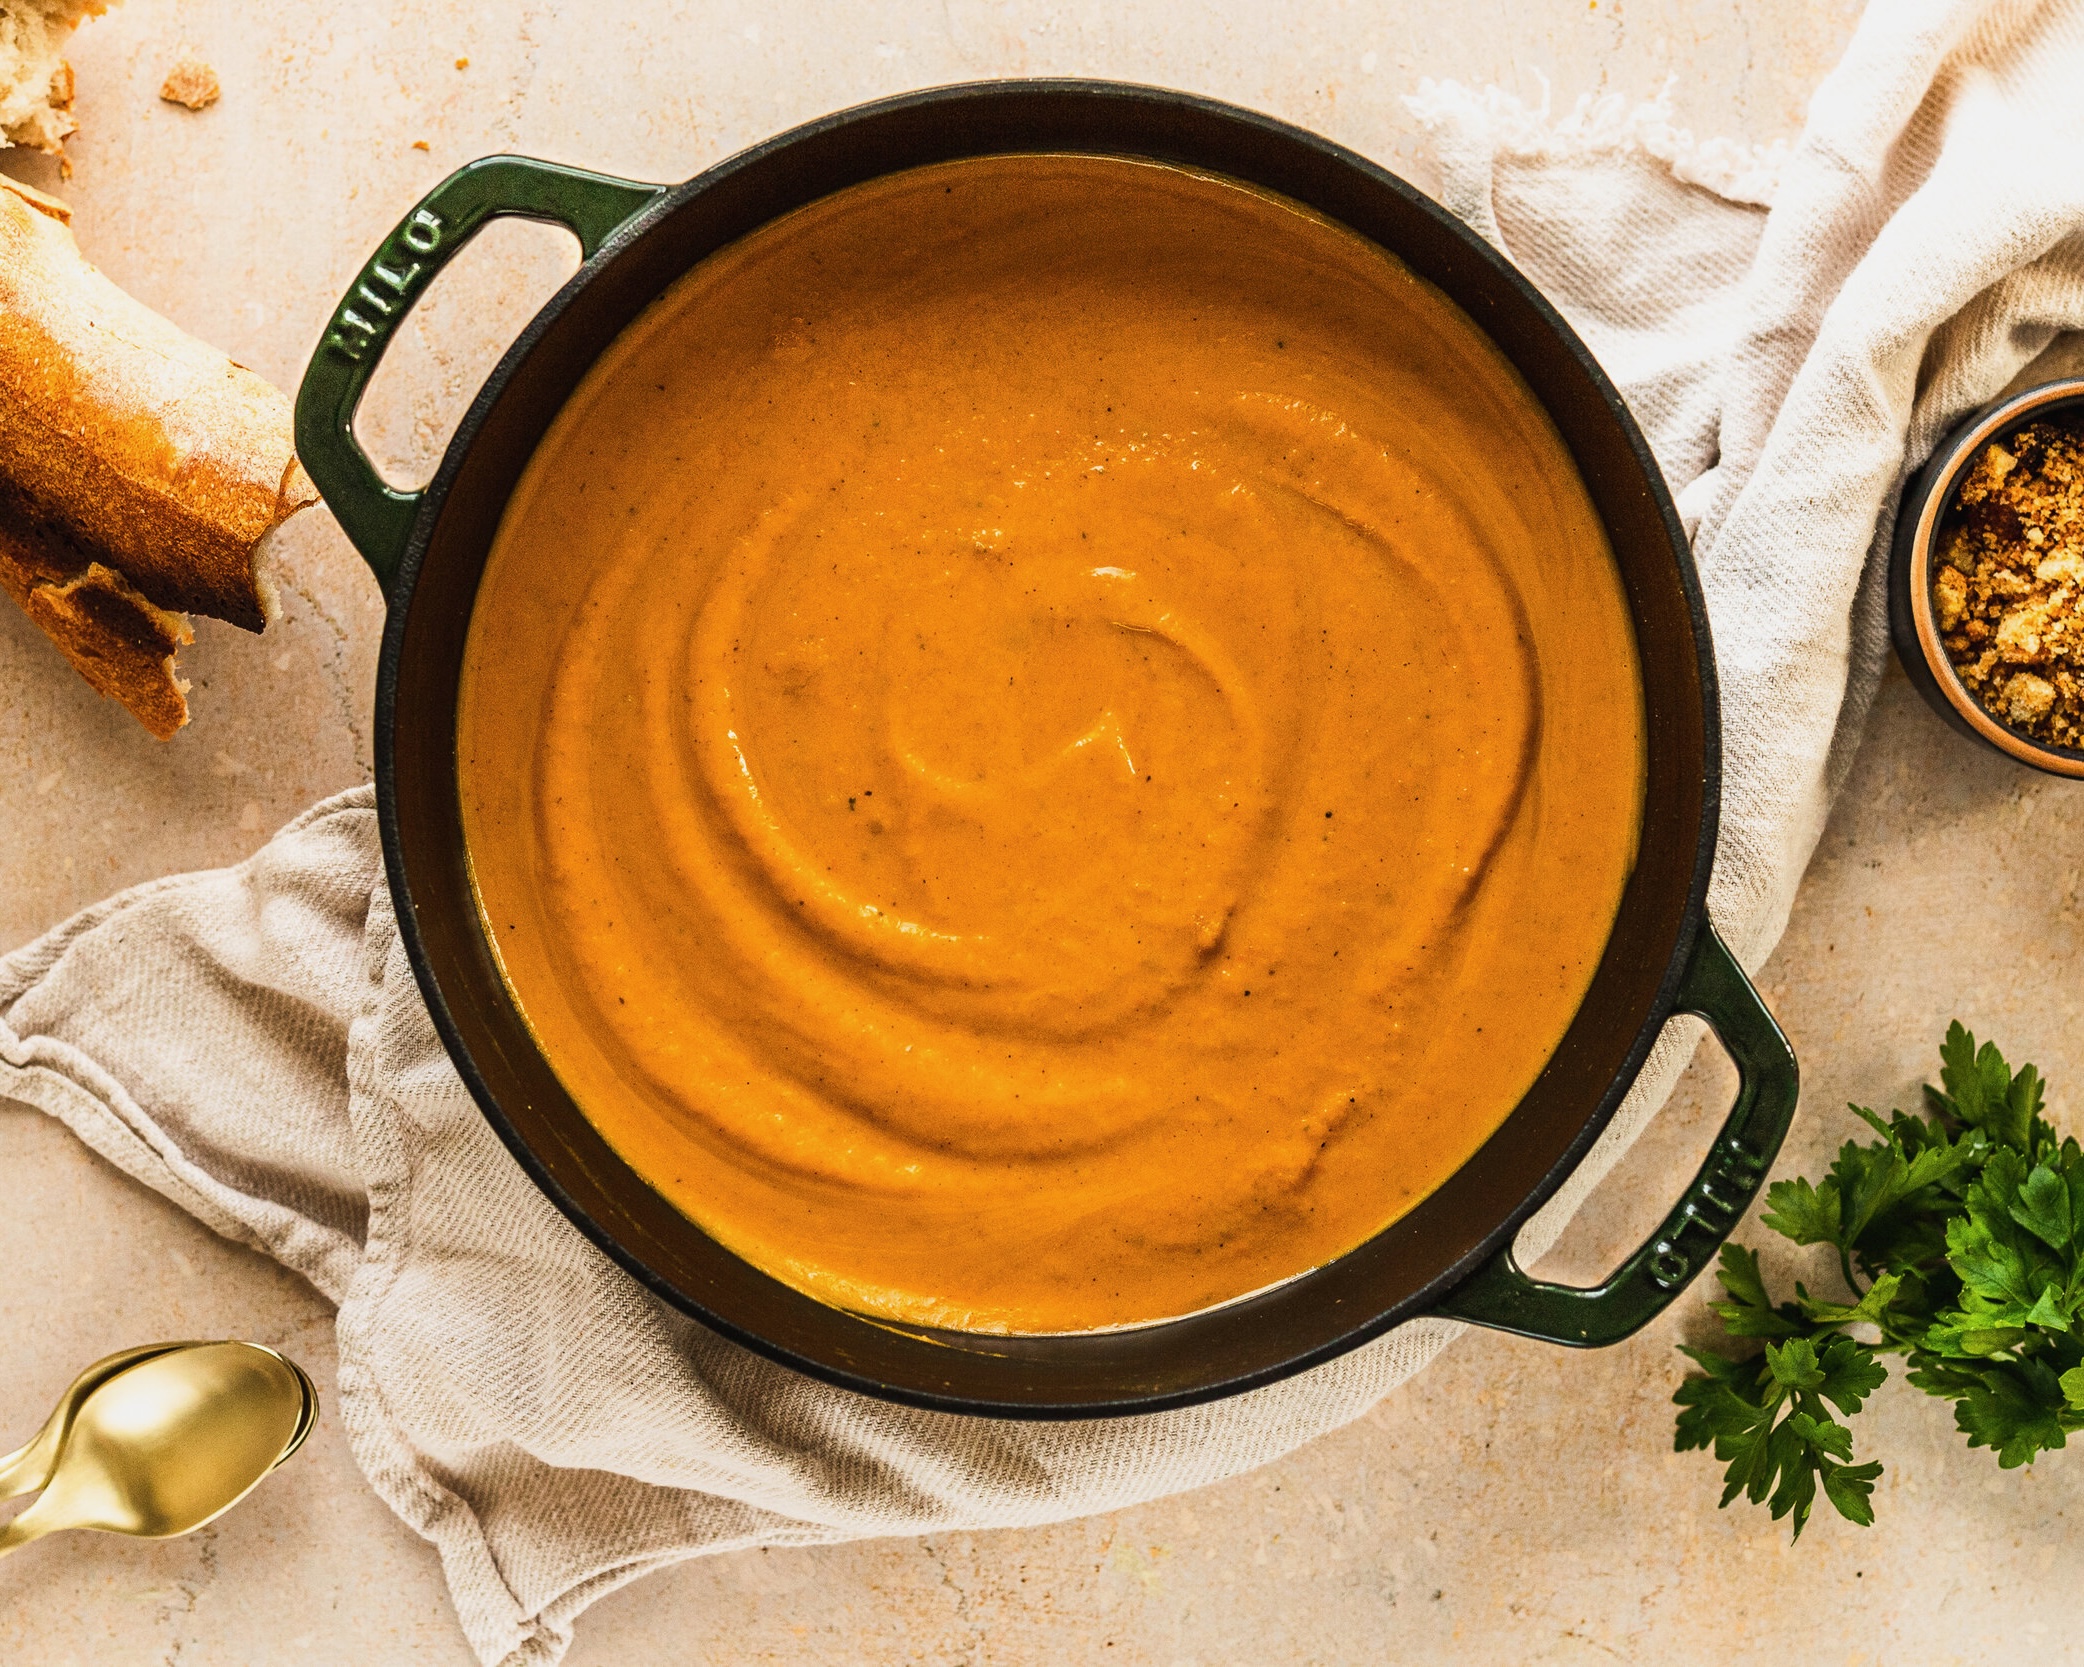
[376, 516]
[1500, 1295]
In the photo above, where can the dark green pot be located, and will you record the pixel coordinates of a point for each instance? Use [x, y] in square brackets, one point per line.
[1451, 1255]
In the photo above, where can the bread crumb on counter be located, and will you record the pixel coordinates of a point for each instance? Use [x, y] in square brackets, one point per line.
[193, 83]
[2009, 595]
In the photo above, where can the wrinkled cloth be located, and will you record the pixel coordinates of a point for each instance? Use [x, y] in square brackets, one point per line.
[251, 1042]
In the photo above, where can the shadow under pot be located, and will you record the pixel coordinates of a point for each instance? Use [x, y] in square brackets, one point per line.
[1449, 1254]
[1970, 593]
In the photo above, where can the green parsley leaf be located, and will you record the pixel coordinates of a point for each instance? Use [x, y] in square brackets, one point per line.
[1871, 1309]
[1981, 1091]
[1850, 1487]
[1960, 1236]
[1748, 1311]
[2043, 1207]
[1826, 1435]
[1806, 1214]
[1850, 1374]
[1768, 1419]
[1998, 1276]
[1793, 1364]
[2014, 1412]
[2072, 1383]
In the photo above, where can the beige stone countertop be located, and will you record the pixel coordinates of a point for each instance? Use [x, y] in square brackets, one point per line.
[1514, 1504]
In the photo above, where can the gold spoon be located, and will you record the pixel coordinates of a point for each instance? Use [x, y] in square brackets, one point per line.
[170, 1442]
[27, 1469]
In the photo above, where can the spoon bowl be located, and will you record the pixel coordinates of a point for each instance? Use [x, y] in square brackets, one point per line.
[171, 1442]
[28, 1468]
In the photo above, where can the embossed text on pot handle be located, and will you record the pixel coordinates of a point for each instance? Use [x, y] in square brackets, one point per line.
[1502, 1296]
[379, 517]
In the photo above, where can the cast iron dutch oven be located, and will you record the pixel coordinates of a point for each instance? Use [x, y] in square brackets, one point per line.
[1452, 1255]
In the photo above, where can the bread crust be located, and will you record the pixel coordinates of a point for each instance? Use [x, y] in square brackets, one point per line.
[119, 642]
[140, 469]
[166, 461]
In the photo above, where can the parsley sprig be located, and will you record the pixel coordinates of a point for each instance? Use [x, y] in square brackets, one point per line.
[1960, 1239]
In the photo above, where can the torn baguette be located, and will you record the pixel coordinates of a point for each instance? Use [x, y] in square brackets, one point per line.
[120, 643]
[141, 471]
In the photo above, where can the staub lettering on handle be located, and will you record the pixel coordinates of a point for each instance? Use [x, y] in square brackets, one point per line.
[393, 276]
[1713, 1204]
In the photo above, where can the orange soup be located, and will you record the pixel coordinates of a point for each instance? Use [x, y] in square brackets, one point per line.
[1048, 742]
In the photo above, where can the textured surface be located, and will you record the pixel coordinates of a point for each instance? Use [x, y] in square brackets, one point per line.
[1511, 1505]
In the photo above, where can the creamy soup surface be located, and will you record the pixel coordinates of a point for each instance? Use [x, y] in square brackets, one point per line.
[1049, 742]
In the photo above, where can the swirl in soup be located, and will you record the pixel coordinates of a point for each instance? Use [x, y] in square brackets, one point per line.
[1048, 742]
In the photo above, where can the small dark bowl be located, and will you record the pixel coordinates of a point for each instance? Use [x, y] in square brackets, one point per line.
[1926, 501]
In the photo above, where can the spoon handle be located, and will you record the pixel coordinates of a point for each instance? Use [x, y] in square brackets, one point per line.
[29, 1525]
[29, 1467]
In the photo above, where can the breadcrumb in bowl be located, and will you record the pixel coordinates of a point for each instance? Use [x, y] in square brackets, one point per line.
[1986, 584]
